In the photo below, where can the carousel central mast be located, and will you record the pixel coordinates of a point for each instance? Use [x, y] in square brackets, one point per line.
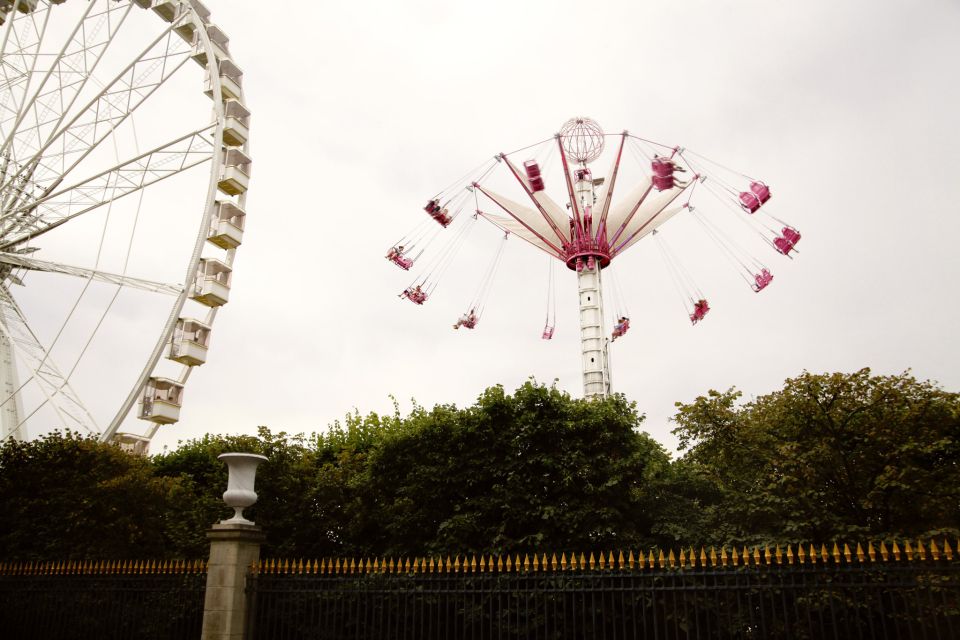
[581, 141]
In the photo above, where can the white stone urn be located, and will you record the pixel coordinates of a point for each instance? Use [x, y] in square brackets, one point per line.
[242, 468]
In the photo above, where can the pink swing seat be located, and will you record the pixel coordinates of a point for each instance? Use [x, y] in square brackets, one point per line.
[752, 200]
[700, 310]
[400, 261]
[761, 280]
[787, 240]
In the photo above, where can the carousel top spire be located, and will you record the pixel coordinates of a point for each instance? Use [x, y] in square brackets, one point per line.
[582, 139]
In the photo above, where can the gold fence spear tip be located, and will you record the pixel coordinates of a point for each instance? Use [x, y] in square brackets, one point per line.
[499, 564]
[859, 552]
[406, 565]
[447, 566]
[921, 550]
[713, 557]
[456, 564]
[573, 561]
[651, 560]
[483, 563]
[692, 556]
[734, 556]
[672, 559]
[846, 552]
[509, 563]
[908, 549]
[836, 553]
[823, 553]
[756, 556]
[621, 560]
[896, 551]
[724, 558]
[871, 552]
[536, 563]
[583, 562]
[883, 551]
[563, 561]
[934, 552]
[683, 558]
[553, 562]
[778, 555]
[473, 564]
[703, 557]
[790, 555]
[516, 562]
[947, 551]
[661, 560]
[631, 560]
[431, 566]
[543, 562]
[766, 554]
[593, 563]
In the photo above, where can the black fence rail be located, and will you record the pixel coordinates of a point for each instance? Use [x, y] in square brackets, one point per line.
[883, 600]
[73, 602]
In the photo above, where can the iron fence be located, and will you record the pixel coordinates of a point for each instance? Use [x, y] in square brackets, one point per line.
[74, 602]
[790, 601]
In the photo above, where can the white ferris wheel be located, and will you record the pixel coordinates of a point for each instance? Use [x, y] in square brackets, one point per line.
[124, 168]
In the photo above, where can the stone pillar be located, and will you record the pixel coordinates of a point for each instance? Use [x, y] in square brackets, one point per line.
[234, 548]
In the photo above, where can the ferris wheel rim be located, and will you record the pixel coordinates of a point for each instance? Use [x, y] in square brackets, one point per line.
[173, 316]
[187, 14]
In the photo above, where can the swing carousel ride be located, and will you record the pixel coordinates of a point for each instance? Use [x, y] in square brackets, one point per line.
[598, 219]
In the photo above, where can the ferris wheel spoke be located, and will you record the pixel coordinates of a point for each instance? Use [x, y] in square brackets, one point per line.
[70, 70]
[54, 386]
[33, 264]
[69, 142]
[22, 37]
[36, 218]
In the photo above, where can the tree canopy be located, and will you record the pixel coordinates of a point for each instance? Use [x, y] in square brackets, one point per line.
[830, 456]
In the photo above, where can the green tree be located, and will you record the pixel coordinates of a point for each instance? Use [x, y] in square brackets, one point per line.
[537, 470]
[64, 496]
[829, 456]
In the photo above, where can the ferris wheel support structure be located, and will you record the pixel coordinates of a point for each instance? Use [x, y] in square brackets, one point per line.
[65, 105]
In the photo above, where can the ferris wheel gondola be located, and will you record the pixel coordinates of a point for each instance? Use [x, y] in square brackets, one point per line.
[114, 173]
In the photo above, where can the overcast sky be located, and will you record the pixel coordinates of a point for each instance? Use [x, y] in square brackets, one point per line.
[362, 111]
